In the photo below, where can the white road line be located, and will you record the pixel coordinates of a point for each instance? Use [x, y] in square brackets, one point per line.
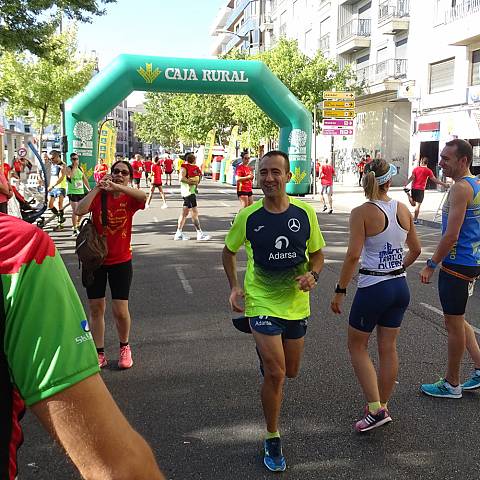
[183, 279]
[437, 310]
[228, 192]
[155, 219]
[226, 204]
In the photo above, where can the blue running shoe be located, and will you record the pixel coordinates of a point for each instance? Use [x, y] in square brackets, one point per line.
[273, 457]
[473, 382]
[441, 389]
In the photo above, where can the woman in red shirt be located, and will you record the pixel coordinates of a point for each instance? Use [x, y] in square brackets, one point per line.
[122, 203]
[419, 179]
[244, 182]
[156, 172]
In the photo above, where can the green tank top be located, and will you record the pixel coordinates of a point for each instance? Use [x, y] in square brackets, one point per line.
[76, 187]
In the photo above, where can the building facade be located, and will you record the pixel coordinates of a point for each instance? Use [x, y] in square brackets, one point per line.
[120, 116]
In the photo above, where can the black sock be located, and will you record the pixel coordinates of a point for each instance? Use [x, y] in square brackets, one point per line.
[101, 350]
[54, 210]
[123, 344]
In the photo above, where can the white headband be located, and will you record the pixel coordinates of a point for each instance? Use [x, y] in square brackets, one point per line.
[387, 176]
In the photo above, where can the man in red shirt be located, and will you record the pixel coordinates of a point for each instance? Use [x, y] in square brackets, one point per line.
[147, 167]
[419, 178]
[327, 173]
[168, 167]
[156, 183]
[137, 166]
[244, 181]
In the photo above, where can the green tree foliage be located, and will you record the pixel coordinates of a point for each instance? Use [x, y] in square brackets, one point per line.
[36, 87]
[192, 116]
[29, 24]
[187, 118]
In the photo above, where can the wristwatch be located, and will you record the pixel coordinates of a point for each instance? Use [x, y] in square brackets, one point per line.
[314, 275]
[431, 264]
[340, 290]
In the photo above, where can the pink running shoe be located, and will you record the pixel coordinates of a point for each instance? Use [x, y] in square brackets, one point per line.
[102, 360]
[125, 360]
[371, 420]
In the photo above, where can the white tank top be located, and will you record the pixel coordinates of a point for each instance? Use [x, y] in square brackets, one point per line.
[384, 252]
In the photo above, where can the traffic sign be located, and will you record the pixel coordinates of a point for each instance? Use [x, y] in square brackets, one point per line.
[339, 104]
[337, 131]
[22, 152]
[339, 113]
[338, 95]
[337, 123]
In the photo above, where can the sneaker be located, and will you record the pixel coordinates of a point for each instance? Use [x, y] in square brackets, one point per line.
[273, 457]
[102, 360]
[330, 211]
[373, 420]
[147, 206]
[181, 236]
[75, 233]
[324, 208]
[441, 389]
[203, 237]
[164, 206]
[416, 222]
[125, 360]
[473, 382]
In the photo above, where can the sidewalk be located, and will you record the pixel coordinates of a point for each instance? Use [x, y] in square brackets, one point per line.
[347, 197]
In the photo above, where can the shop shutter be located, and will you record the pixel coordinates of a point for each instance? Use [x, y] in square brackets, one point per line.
[441, 75]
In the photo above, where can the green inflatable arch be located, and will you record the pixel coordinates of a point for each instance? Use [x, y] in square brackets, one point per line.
[128, 73]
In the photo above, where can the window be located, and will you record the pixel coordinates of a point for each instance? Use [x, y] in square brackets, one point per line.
[364, 8]
[441, 75]
[476, 67]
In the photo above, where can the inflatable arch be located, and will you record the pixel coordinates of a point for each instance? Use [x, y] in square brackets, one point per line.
[128, 73]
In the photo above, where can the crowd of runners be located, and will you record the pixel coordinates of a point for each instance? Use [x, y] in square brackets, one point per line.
[284, 248]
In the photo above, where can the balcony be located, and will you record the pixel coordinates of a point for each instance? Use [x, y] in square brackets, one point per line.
[324, 45]
[383, 76]
[347, 2]
[460, 23]
[243, 31]
[462, 10]
[354, 36]
[393, 19]
[236, 13]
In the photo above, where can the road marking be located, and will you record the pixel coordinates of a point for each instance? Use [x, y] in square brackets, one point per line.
[228, 192]
[183, 279]
[155, 219]
[226, 204]
[437, 310]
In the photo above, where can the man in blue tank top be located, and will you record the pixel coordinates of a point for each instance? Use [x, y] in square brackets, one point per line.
[459, 255]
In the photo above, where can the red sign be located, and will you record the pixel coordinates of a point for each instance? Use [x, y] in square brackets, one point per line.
[337, 131]
[428, 127]
[337, 123]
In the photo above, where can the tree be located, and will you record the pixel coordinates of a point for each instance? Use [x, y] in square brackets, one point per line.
[38, 86]
[29, 24]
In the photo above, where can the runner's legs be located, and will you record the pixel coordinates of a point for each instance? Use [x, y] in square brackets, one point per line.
[388, 361]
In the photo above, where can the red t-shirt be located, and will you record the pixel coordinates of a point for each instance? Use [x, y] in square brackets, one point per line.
[421, 175]
[17, 165]
[244, 185]
[192, 169]
[168, 164]
[157, 173]
[361, 166]
[4, 183]
[148, 165]
[326, 175]
[137, 168]
[6, 169]
[120, 213]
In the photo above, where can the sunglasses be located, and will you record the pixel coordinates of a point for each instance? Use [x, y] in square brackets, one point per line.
[118, 171]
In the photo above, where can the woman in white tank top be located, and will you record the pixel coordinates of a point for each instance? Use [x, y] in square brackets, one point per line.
[379, 230]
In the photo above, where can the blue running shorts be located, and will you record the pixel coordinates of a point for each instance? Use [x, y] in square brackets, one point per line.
[381, 304]
[290, 329]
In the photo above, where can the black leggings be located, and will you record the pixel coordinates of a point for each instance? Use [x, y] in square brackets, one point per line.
[119, 278]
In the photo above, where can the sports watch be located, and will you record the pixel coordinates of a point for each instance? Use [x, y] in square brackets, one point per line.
[431, 264]
[340, 290]
[314, 275]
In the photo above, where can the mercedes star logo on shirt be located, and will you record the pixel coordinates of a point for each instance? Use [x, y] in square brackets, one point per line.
[294, 225]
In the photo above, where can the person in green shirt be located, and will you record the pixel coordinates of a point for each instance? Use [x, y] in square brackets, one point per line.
[77, 186]
[283, 244]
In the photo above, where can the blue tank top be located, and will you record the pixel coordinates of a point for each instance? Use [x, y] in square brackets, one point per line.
[467, 249]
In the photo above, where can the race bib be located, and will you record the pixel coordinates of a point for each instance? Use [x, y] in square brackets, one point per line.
[78, 184]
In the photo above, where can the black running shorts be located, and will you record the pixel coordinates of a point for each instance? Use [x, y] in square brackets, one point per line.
[119, 278]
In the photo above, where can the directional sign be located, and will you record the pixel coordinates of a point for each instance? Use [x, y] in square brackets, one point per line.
[338, 104]
[337, 123]
[339, 113]
[338, 95]
[337, 131]
[22, 151]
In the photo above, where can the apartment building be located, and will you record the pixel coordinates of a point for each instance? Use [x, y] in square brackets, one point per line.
[240, 24]
[446, 67]
[120, 116]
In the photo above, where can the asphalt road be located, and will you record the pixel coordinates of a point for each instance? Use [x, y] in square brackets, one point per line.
[193, 391]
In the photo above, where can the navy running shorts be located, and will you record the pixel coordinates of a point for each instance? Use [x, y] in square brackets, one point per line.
[119, 278]
[453, 291]
[381, 304]
[289, 329]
